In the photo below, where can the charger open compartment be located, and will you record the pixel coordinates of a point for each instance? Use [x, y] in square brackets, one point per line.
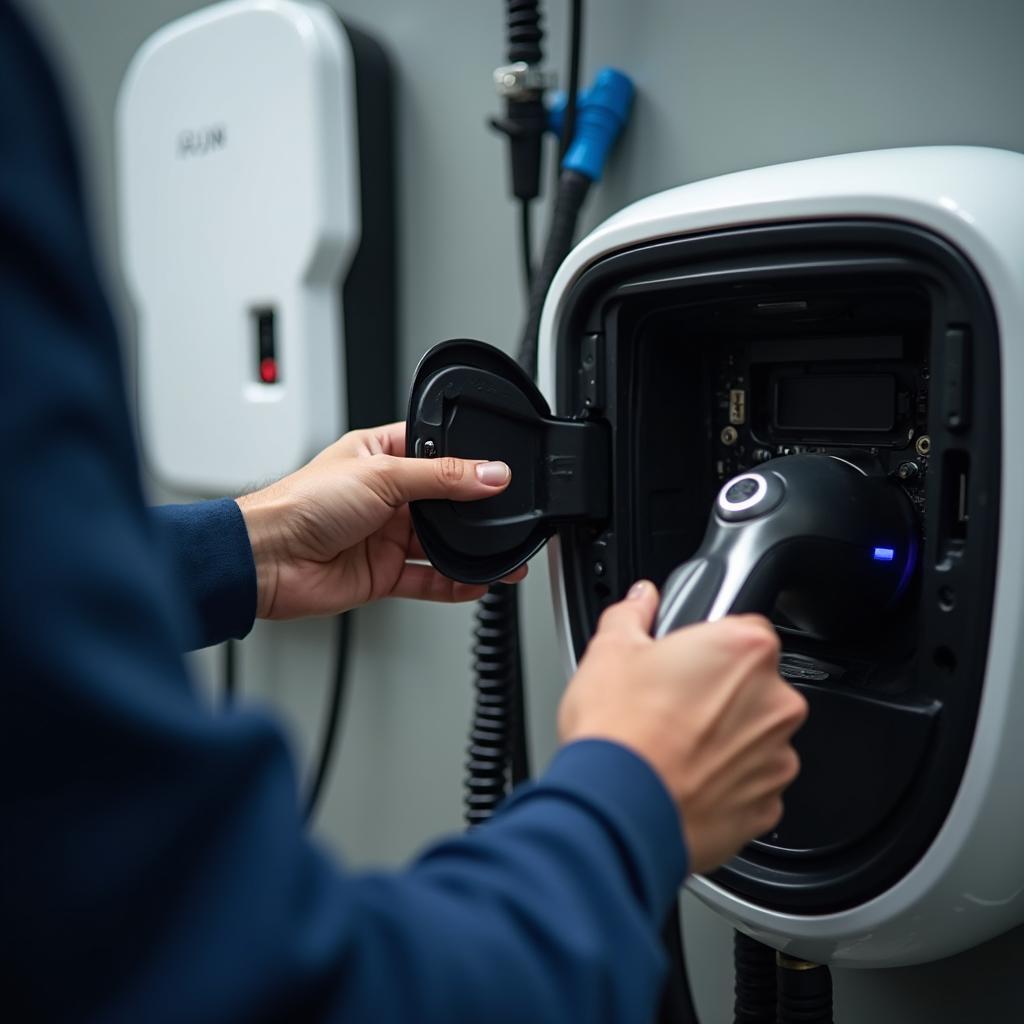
[683, 362]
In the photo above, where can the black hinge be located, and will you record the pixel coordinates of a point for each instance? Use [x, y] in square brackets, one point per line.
[577, 461]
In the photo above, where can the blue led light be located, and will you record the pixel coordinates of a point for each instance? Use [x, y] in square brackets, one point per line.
[885, 554]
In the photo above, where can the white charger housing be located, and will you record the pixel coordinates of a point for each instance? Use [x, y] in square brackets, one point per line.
[239, 146]
[966, 884]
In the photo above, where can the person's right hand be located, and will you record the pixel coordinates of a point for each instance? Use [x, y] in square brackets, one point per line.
[705, 706]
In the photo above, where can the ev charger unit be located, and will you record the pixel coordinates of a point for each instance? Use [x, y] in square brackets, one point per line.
[801, 385]
[256, 194]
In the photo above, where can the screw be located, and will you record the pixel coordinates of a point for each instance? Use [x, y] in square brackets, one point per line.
[599, 568]
[924, 445]
[430, 449]
[729, 435]
[908, 470]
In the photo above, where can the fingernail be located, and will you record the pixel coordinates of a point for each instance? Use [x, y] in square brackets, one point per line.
[494, 474]
[637, 590]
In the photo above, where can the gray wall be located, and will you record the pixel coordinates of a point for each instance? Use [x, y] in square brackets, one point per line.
[723, 85]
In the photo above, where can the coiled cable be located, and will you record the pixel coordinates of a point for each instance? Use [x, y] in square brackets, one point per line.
[525, 33]
[497, 753]
[755, 987]
[497, 673]
[805, 992]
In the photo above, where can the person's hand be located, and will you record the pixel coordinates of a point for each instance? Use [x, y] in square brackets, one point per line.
[337, 533]
[705, 706]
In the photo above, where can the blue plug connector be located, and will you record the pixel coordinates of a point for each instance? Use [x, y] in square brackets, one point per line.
[601, 113]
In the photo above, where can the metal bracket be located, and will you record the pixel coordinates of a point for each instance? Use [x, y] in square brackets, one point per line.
[522, 81]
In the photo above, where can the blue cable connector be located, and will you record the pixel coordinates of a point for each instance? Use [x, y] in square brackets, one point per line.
[601, 113]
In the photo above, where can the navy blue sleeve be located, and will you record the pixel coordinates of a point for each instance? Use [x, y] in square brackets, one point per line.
[209, 546]
[153, 862]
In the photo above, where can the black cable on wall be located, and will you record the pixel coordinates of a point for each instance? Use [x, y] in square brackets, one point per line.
[322, 760]
[329, 740]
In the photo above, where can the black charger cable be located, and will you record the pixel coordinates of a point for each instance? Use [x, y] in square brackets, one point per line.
[329, 740]
[498, 751]
[497, 755]
[804, 991]
[573, 85]
[522, 84]
[755, 984]
[573, 188]
[497, 683]
[568, 131]
[336, 699]
[230, 669]
[526, 242]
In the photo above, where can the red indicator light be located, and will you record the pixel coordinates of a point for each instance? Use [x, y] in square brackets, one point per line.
[268, 370]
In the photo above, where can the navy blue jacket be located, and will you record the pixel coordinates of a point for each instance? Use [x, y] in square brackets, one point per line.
[153, 861]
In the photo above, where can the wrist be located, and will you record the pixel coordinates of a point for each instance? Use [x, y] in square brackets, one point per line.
[263, 514]
[619, 783]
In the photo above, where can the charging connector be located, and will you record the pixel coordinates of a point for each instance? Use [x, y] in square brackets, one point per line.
[602, 112]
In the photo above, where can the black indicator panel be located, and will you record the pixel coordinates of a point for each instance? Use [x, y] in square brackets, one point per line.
[840, 403]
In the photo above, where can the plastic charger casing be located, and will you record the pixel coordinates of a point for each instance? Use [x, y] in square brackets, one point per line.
[968, 885]
[241, 131]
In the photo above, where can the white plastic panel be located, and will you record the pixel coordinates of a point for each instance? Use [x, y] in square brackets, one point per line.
[238, 180]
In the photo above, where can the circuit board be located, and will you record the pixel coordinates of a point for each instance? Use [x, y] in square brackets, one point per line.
[746, 432]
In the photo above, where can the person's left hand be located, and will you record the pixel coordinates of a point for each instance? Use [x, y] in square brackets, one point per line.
[337, 533]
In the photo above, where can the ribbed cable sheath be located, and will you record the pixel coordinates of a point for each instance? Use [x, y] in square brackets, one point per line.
[524, 32]
[805, 994]
[755, 981]
[496, 675]
[497, 754]
[497, 732]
